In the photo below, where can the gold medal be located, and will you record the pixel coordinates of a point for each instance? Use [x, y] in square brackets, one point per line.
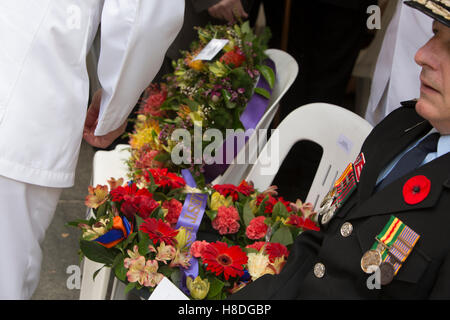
[370, 261]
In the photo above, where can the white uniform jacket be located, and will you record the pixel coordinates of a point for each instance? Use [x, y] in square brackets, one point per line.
[396, 76]
[44, 83]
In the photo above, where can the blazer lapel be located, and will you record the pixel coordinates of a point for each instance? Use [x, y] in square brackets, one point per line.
[391, 200]
[384, 152]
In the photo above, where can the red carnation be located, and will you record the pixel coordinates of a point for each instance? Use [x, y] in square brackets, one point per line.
[301, 222]
[273, 249]
[159, 231]
[174, 208]
[219, 258]
[257, 229]
[141, 205]
[226, 221]
[416, 189]
[276, 250]
[235, 57]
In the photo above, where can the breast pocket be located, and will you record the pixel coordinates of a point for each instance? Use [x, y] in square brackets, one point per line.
[414, 280]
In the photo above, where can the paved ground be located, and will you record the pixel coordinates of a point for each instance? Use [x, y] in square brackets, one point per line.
[61, 243]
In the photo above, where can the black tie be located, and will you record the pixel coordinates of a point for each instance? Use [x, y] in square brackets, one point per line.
[411, 160]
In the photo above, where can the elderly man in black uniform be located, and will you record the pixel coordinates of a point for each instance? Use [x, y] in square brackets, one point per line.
[385, 225]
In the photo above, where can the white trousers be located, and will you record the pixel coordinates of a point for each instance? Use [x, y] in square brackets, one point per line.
[26, 211]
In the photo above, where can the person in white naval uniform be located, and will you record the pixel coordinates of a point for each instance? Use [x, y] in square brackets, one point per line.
[396, 76]
[44, 91]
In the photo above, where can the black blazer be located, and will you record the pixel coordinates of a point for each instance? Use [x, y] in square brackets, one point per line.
[425, 273]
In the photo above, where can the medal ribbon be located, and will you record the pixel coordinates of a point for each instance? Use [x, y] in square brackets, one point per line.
[397, 240]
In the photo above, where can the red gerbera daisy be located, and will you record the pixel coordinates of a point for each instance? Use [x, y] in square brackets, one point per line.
[165, 178]
[159, 231]
[219, 258]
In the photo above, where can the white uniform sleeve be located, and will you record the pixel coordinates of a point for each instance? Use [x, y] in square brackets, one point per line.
[135, 35]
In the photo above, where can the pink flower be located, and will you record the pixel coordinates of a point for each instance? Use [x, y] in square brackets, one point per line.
[227, 220]
[197, 248]
[257, 228]
[174, 208]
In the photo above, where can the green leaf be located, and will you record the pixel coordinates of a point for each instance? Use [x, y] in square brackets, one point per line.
[75, 223]
[245, 28]
[283, 235]
[144, 242]
[215, 288]
[262, 206]
[162, 157]
[248, 214]
[268, 74]
[98, 253]
[139, 221]
[129, 287]
[279, 210]
[119, 270]
[211, 214]
[263, 92]
[129, 240]
[96, 273]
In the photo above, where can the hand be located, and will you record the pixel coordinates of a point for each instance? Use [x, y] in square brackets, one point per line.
[227, 10]
[91, 123]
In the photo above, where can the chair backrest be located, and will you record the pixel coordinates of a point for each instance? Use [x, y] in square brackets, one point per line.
[338, 131]
[286, 72]
[110, 164]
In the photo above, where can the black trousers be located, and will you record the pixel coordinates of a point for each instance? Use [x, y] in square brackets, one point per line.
[325, 39]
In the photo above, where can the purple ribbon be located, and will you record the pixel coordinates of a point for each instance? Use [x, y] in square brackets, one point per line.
[250, 117]
[190, 218]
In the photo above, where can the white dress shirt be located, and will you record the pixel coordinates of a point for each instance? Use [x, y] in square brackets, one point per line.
[44, 84]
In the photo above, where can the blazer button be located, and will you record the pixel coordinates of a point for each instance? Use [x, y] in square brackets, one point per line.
[346, 229]
[319, 270]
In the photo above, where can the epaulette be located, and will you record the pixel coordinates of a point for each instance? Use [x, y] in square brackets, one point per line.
[409, 103]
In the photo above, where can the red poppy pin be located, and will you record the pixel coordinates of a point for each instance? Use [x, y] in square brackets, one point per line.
[416, 189]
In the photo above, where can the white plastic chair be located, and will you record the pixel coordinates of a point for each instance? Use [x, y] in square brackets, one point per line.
[106, 164]
[338, 131]
[286, 72]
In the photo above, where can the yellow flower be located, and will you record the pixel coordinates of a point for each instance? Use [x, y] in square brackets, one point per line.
[218, 68]
[258, 265]
[197, 118]
[182, 238]
[218, 200]
[198, 288]
[146, 134]
[229, 46]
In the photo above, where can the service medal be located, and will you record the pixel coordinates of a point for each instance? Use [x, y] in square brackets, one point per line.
[370, 261]
[393, 246]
